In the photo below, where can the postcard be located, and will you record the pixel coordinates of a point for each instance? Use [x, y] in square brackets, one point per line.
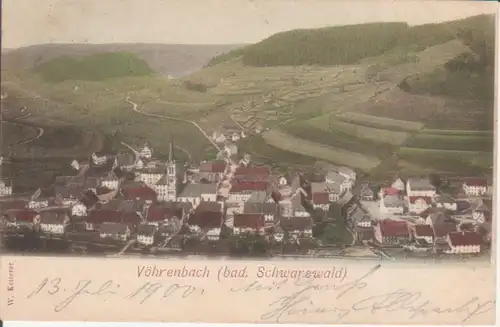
[278, 161]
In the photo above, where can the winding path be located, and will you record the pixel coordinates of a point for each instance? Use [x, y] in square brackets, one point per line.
[135, 108]
[39, 129]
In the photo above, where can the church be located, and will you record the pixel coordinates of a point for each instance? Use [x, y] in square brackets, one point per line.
[168, 186]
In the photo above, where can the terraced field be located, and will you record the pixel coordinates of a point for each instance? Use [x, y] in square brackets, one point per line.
[363, 133]
[458, 132]
[399, 105]
[338, 139]
[290, 143]
[380, 122]
[452, 142]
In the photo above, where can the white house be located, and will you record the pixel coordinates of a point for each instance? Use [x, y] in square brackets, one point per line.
[38, 204]
[75, 165]
[151, 176]
[475, 186]
[146, 152]
[213, 234]
[418, 204]
[5, 188]
[420, 187]
[79, 209]
[54, 222]
[139, 164]
[119, 232]
[146, 234]
[98, 159]
[111, 181]
[196, 193]
[464, 242]
[361, 219]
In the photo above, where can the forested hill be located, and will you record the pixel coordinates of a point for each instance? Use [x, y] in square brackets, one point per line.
[343, 45]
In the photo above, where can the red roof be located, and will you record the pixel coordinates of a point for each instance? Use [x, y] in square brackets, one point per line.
[413, 199]
[209, 207]
[262, 171]
[424, 230]
[465, 238]
[26, 215]
[213, 167]
[390, 227]
[390, 191]
[320, 198]
[206, 219]
[249, 220]
[242, 186]
[473, 181]
[141, 192]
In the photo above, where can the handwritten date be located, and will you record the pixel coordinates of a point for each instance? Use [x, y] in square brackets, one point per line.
[70, 291]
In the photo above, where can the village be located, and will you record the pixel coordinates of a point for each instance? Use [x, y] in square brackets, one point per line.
[133, 203]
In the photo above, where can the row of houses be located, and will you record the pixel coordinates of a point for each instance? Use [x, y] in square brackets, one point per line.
[417, 195]
[434, 228]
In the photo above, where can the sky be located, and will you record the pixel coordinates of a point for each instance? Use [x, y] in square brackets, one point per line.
[29, 22]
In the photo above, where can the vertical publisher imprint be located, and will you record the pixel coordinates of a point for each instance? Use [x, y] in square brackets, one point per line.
[10, 285]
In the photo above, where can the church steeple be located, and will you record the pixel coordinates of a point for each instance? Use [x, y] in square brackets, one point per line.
[171, 156]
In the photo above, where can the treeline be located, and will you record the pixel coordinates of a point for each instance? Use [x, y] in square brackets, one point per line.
[341, 45]
[94, 67]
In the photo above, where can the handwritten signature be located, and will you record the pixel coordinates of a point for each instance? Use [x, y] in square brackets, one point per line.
[143, 293]
[301, 302]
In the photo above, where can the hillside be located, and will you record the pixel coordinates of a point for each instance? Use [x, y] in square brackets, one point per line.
[164, 59]
[414, 107]
[94, 67]
[344, 45]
